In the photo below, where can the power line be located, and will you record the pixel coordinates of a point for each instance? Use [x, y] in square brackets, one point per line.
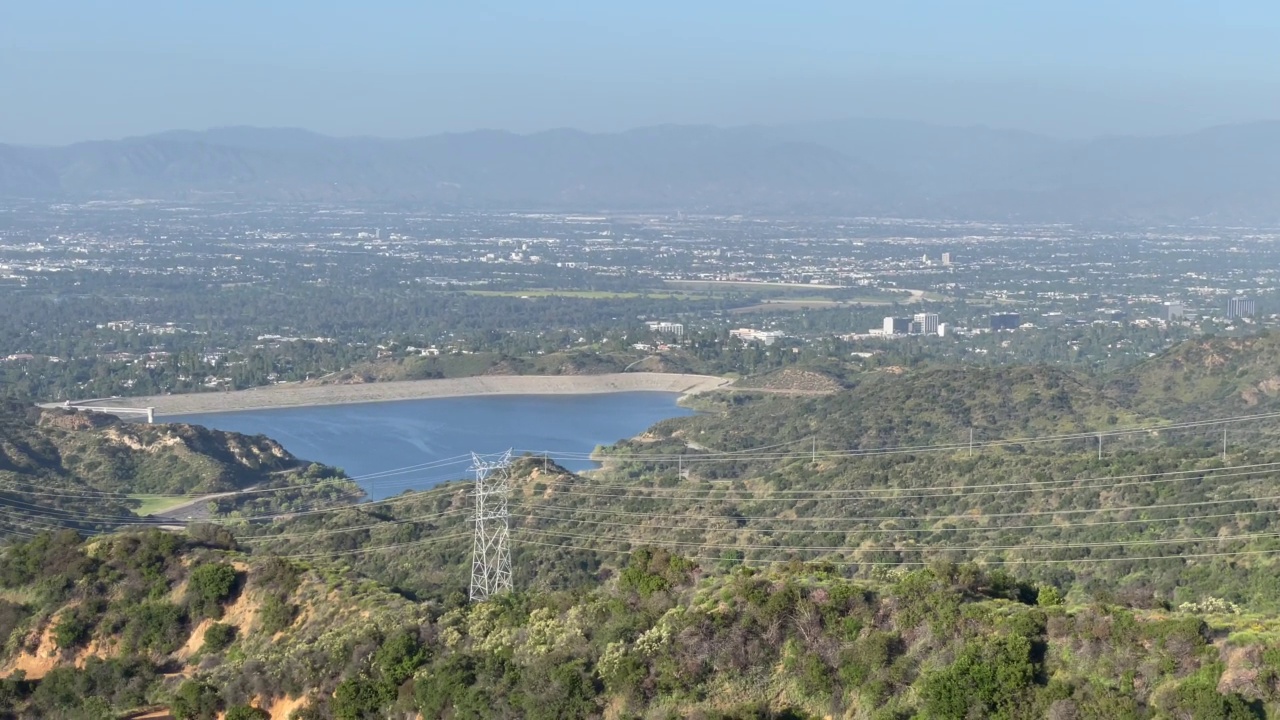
[847, 563]
[967, 490]
[965, 516]
[360, 551]
[918, 548]
[878, 530]
[753, 453]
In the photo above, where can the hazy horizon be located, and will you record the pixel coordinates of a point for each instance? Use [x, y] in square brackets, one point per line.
[85, 70]
[571, 129]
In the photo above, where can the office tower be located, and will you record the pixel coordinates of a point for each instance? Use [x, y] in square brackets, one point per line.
[928, 323]
[1005, 321]
[896, 326]
[1240, 307]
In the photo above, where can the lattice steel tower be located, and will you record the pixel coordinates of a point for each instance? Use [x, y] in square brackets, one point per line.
[490, 552]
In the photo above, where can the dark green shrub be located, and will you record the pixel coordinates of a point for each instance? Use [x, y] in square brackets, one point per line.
[209, 586]
[75, 626]
[218, 637]
[1198, 698]
[358, 698]
[100, 689]
[987, 679]
[196, 700]
[276, 615]
[247, 712]
[650, 571]
[155, 627]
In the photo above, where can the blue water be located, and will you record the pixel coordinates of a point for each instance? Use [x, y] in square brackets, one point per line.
[376, 437]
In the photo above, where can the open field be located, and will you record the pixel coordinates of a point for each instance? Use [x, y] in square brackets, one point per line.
[295, 395]
[158, 504]
[584, 294]
[796, 305]
[721, 285]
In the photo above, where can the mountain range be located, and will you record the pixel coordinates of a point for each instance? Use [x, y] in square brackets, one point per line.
[847, 168]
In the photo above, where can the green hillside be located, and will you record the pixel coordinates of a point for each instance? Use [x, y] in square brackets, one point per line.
[1221, 376]
[866, 564]
[153, 621]
[93, 471]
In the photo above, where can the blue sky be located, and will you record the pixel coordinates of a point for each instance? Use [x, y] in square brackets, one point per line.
[75, 70]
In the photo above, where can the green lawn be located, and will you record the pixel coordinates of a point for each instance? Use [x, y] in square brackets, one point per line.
[157, 504]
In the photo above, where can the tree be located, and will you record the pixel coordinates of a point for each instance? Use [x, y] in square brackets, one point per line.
[209, 587]
[196, 700]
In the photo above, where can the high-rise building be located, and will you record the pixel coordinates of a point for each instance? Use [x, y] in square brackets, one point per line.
[1240, 307]
[1173, 311]
[946, 258]
[1005, 321]
[928, 323]
[942, 329]
[897, 326]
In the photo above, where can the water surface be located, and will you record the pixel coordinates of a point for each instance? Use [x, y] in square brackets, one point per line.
[370, 438]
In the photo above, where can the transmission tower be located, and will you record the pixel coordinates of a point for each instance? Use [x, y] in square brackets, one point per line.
[491, 553]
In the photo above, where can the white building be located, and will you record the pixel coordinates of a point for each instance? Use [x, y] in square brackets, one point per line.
[767, 337]
[666, 328]
[928, 323]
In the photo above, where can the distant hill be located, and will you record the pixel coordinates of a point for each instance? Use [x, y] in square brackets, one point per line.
[883, 167]
[1210, 377]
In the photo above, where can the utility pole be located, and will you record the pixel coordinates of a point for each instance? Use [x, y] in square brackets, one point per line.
[815, 450]
[1224, 444]
[491, 551]
[970, 442]
[1099, 446]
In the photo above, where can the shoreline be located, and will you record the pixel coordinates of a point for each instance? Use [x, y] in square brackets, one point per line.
[296, 396]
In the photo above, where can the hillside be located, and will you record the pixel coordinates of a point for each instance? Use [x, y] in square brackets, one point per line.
[687, 578]
[93, 471]
[849, 167]
[197, 631]
[1215, 376]
[884, 409]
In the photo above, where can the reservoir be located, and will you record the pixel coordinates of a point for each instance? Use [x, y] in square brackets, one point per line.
[374, 438]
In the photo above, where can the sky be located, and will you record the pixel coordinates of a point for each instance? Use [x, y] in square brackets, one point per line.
[73, 70]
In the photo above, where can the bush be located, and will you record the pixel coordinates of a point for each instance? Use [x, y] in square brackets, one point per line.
[196, 700]
[650, 571]
[155, 627]
[1198, 698]
[212, 535]
[276, 615]
[76, 625]
[1048, 596]
[218, 637]
[247, 712]
[100, 689]
[987, 679]
[209, 587]
[358, 698]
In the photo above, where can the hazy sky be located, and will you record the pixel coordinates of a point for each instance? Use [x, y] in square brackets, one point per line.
[74, 70]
